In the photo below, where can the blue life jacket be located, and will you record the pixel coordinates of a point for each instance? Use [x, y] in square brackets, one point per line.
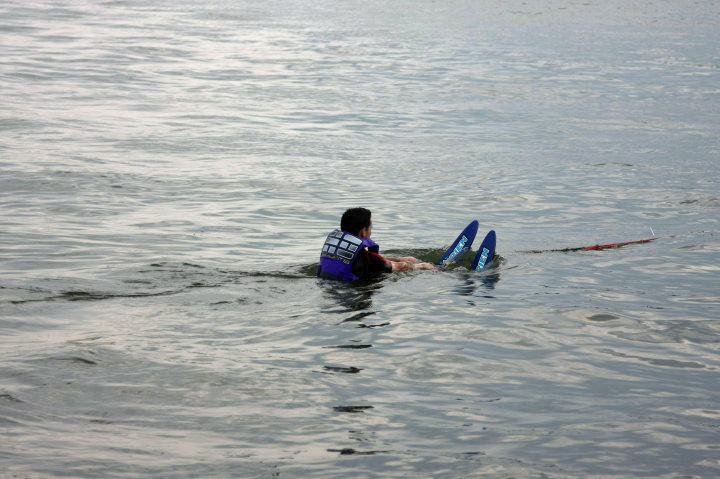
[339, 253]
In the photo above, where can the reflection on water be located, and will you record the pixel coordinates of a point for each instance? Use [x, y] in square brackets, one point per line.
[350, 297]
[472, 281]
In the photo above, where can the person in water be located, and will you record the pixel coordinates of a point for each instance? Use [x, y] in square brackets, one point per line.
[350, 255]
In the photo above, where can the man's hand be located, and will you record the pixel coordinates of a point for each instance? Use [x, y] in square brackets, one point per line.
[425, 266]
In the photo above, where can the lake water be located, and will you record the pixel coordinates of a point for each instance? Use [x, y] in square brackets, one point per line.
[169, 171]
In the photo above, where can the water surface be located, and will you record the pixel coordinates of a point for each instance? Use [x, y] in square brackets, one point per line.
[169, 171]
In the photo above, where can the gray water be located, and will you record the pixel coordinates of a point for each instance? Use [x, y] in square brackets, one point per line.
[169, 171]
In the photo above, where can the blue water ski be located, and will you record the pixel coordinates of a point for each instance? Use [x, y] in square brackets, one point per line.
[485, 253]
[460, 246]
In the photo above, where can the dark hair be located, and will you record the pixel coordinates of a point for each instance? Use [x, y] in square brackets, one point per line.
[355, 219]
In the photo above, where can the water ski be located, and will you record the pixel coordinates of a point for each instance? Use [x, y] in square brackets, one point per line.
[485, 253]
[460, 246]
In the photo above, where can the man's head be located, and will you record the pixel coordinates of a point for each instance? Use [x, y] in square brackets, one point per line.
[357, 221]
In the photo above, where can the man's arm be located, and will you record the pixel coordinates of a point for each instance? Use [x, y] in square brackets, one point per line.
[377, 263]
[408, 262]
[404, 259]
